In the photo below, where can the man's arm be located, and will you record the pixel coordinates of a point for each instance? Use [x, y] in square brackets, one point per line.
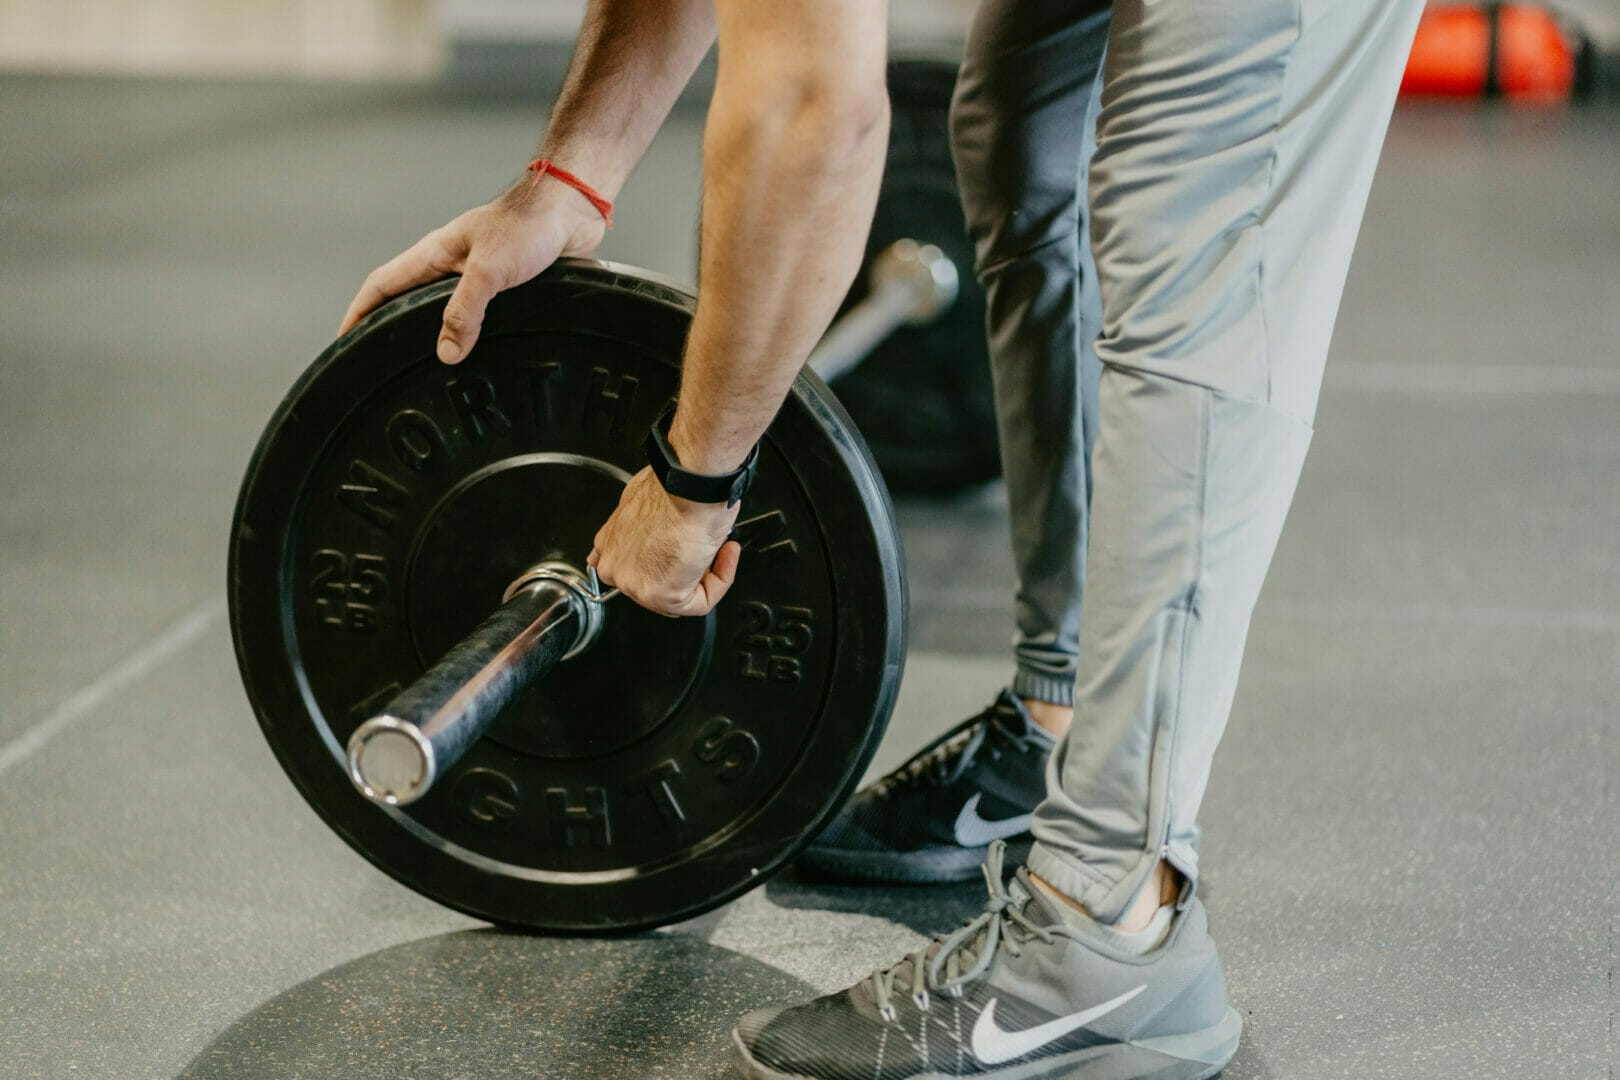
[792, 157]
[629, 65]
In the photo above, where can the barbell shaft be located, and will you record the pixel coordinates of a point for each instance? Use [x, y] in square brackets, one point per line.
[395, 757]
[860, 330]
[908, 284]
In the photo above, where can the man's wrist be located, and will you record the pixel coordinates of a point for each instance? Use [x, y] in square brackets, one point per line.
[678, 474]
[700, 455]
[549, 200]
[700, 511]
[601, 168]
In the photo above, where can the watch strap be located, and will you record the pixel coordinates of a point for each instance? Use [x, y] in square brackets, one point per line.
[727, 488]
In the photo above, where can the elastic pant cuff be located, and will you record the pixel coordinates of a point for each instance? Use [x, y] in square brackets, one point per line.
[1041, 686]
[1073, 879]
[1105, 899]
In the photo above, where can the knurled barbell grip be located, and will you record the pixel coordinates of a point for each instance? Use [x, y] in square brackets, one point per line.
[395, 757]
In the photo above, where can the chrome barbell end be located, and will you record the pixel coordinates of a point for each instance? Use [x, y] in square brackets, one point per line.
[391, 761]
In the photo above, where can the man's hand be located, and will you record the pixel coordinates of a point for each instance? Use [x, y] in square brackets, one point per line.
[493, 247]
[665, 553]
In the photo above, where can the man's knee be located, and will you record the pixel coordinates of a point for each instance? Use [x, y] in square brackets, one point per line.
[1019, 119]
[1020, 185]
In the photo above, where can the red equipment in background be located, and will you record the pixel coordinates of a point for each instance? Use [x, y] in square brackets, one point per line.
[1509, 50]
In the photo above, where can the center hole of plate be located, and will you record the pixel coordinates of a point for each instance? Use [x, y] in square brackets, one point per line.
[485, 532]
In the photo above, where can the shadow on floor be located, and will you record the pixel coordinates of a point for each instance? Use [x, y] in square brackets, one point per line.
[482, 1003]
[927, 909]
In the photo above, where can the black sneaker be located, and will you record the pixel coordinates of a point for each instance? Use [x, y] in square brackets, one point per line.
[933, 818]
[1026, 989]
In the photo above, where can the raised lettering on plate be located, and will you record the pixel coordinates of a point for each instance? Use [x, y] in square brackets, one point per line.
[729, 751]
[473, 399]
[763, 538]
[608, 402]
[571, 822]
[659, 784]
[371, 495]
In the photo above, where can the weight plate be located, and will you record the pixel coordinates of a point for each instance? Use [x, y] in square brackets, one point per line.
[924, 397]
[392, 500]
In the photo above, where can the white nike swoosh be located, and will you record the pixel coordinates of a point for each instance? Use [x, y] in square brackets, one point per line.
[974, 831]
[993, 1046]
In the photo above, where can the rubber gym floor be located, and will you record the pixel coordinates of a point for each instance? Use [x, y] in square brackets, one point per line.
[1409, 837]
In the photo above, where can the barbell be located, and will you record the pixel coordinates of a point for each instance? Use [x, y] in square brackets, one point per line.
[438, 674]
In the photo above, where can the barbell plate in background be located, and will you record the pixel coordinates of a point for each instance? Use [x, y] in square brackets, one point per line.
[924, 397]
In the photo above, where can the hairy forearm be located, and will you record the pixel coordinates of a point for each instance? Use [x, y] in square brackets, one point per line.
[792, 163]
[630, 63]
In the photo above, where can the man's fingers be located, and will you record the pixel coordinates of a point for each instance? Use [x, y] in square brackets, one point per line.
[464, 314]
[422, 262]
[703, 597]
[715, 583]
[726, 560]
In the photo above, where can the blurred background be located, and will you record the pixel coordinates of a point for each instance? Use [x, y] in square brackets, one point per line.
[1421, 779]
[470, 42]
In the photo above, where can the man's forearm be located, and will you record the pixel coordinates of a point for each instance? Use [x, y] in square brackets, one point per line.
[630, 63]
[793, 155]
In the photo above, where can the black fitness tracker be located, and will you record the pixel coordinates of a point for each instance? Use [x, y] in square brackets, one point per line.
[728, 488]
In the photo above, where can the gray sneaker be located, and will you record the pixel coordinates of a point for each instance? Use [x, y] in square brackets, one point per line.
[1018, 991]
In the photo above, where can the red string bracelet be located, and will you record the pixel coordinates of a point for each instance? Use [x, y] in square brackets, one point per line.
[541, 167]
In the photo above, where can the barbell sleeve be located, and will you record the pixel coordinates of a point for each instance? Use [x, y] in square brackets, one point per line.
[908, 285]
[395, 757]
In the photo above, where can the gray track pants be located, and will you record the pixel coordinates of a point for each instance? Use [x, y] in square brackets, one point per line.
[1158, 348]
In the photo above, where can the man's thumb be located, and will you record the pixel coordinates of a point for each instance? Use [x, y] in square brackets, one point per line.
[464, 315]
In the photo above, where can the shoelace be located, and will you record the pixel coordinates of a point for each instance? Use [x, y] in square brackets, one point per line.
[933, 763]
[964, 955]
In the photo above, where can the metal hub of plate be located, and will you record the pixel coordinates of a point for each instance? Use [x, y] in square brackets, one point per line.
[924, 397]
[661, 771]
